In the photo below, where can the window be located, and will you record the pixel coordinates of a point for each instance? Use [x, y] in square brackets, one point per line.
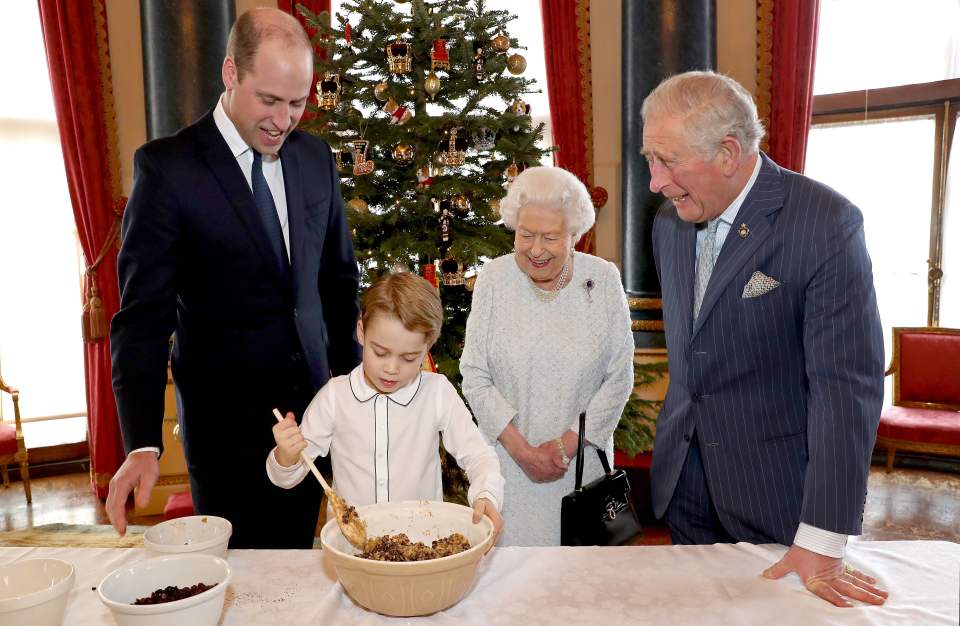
[886, 97]
[40, 268]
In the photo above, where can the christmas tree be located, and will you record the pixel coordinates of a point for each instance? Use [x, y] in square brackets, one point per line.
[423, 105]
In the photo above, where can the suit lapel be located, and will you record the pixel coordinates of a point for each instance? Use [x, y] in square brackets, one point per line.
[296, 211]
[225, 169]
[686, 246]
[764, 199]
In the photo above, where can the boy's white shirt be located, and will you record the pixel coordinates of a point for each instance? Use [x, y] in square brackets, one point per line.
[384, 446]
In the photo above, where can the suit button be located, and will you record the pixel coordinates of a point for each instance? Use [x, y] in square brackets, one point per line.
[296, 357]
[295, 313]
[696, 397]
[686, 438]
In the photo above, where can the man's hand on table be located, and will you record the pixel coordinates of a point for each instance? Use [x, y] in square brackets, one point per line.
[141, 470]
[827, 577]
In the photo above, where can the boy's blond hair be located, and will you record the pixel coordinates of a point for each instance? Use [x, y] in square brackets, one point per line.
[408, 297]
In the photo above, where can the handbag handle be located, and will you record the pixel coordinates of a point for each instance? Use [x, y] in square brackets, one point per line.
[600, 453]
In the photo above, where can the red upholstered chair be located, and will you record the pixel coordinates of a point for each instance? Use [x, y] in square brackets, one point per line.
[12, 447]
[925, 416]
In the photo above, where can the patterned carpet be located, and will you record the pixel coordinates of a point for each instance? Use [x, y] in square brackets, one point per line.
[74, 536]
[912, 504]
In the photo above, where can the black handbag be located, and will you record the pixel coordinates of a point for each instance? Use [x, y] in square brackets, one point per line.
[601, 513]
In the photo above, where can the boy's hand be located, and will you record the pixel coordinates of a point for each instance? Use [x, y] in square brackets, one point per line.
[290, 441]
[483, 506]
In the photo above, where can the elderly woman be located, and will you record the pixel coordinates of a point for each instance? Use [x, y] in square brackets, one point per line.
[548, 337]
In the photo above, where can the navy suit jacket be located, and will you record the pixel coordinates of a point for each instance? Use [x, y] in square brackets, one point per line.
[195, 259]
[783, 390]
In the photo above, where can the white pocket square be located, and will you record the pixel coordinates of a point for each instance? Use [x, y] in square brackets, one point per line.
[758, 285]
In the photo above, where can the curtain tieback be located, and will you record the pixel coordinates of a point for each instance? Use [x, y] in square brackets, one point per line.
[93, 319]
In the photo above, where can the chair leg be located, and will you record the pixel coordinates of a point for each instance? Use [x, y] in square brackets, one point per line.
[891, 452]
[25, 477]
[6, 475]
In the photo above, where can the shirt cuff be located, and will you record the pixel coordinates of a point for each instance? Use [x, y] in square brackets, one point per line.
[821, 541]
[489, 496]
[153, 449]
[275, 464]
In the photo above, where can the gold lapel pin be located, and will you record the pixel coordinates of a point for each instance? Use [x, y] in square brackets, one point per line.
[743, 231]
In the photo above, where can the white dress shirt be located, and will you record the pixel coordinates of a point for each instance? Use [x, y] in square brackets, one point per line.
[730, 214]
[385, 446]
[272, 167]
[815, 539]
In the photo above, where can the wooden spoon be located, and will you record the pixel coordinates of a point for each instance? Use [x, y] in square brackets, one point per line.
[352, 527]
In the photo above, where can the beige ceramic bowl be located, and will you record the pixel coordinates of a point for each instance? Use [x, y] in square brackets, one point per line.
[420, 587]
[200, 534]
[119, 589]
[35, 592]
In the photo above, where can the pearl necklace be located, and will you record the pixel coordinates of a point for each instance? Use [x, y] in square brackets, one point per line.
[551, 295]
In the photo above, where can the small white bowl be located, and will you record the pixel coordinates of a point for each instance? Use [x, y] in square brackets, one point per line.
[195, 534]
[418, 587]
[35, 592]
[121, 588]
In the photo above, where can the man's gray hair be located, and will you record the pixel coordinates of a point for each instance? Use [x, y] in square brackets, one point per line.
[713, 106]
[552, 188]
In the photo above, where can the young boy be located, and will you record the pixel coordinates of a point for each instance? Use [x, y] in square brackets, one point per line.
[382, 421]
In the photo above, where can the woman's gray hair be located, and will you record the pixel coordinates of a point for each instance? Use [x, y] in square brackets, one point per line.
[714, 106]
[552, 188]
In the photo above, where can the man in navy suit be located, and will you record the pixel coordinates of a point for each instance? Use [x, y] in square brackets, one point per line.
[774, 342]
[235, 240]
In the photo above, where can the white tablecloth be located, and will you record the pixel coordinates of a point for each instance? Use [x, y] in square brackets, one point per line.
[674, 585]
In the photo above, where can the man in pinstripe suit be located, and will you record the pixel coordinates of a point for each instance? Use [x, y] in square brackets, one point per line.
[774, 341]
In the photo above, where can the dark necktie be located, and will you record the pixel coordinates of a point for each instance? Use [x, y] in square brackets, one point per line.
[267, 209]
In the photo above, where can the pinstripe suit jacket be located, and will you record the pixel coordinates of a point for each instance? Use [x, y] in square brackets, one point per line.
[783, 390]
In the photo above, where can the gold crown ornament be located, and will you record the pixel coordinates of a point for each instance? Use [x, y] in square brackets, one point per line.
[451, 272]
[453, 149]
[344, 159]
[328, 91]
[399, 57]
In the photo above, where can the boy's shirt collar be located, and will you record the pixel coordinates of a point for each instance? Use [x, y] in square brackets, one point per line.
[362, 390]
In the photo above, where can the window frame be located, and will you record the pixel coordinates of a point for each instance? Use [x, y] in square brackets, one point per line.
[941, 99]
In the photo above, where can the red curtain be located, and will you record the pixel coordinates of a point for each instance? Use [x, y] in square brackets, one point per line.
[315, 7]
[566, 43]
[75, 37]
[788, 46]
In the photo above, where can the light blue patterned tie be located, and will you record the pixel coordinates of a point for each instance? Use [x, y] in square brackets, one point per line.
[706, 256]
